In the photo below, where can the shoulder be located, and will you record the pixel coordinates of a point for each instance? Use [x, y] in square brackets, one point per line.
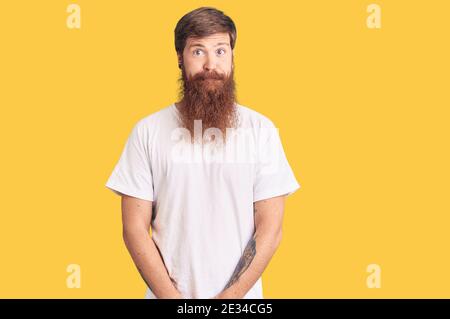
[146, 126]
[154, 118]
[253, 118]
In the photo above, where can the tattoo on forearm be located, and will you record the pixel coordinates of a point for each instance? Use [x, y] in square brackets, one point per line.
[244, 262]
[246, 259]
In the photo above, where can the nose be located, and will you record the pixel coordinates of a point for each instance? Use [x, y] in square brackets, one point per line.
[210, 63]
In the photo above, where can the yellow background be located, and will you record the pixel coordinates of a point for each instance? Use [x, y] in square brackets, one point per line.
[363, 115]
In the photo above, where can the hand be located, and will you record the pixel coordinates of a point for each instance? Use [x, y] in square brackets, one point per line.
[222, 295]
[176, 295]
[179, 296]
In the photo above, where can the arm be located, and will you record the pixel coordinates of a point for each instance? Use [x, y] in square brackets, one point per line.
[136, 218]
[259, 250]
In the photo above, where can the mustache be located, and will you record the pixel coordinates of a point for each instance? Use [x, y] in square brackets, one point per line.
[212, 75]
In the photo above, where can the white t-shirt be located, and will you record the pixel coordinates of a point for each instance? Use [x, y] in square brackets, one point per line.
[202, 196]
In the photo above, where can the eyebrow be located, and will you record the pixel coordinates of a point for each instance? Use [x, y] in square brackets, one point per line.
[202, 46]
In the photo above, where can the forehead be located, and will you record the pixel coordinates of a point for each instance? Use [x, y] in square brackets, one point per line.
[211, 40]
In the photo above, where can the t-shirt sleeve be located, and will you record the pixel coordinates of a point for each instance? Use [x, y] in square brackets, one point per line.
[273, 174]
[132, 174]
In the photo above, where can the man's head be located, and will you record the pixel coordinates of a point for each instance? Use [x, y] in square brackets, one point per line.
[204, 42]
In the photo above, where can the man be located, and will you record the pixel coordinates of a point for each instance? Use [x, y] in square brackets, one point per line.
[214, 204]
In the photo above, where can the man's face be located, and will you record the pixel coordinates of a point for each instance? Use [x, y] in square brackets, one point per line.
[208, 88]
[208, 55]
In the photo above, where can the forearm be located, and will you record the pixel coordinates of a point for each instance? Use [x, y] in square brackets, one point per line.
[254, 260]
[149, 263]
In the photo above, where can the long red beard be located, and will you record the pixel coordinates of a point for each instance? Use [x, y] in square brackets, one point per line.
[209, 97]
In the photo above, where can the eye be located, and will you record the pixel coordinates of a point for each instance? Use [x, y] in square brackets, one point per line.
[196, 51]
[221, 51]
